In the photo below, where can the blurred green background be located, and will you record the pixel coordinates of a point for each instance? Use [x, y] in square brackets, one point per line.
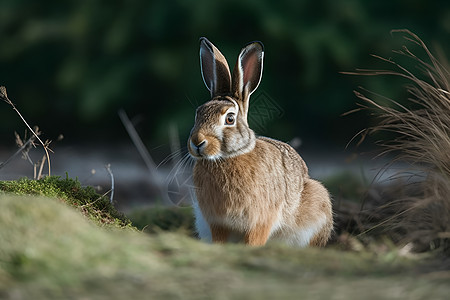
[70, 65]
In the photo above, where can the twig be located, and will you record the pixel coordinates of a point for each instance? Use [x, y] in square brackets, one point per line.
[4, 96]
[95, 201]
[108, 168]
[137, 141]
[41, 167]
[143, 152]
[19, 142]
[23, 147]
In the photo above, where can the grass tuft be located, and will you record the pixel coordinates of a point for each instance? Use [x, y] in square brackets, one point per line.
[94, 206]
[421, 129]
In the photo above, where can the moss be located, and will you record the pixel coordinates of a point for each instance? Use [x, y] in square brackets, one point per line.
[96, 207]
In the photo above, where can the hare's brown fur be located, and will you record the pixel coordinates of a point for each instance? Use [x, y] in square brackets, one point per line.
[251, 195]
[249, 188]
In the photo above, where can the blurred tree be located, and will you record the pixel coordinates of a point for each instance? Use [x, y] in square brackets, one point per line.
[71, 65]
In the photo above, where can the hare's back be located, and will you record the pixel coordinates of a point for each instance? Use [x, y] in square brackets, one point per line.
[291, 159]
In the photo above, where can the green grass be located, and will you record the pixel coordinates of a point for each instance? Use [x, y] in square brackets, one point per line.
[96, 207]
[49, 250]
[159, 218]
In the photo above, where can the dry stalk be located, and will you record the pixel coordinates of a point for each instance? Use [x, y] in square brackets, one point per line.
[41, 167]
[4, 97]
[24, 147]
[26, 150]
[111, 175]
[144, 154]
[422, 139]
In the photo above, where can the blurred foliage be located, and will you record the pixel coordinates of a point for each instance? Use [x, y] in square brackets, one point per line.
[346, 185]
[70, 65]
[157, 218]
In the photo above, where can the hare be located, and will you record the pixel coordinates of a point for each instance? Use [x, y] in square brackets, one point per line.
[248, 188]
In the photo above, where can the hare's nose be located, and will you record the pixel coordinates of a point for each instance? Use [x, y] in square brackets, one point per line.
[198, 146]
[201, 144]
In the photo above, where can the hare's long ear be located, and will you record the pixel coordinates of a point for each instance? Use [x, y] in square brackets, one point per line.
[215, 70]
[247, 72]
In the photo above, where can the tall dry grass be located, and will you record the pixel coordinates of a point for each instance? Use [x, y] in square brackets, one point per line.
[421, 138]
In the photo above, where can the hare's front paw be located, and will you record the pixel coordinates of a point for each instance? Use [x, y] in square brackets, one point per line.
[220, 233]
[258, 235]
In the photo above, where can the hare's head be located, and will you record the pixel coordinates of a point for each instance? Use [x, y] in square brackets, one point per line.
[221, 128]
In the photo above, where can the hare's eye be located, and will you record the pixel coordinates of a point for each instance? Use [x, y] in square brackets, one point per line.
[229, 120]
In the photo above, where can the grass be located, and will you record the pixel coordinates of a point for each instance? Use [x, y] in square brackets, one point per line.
[96, 207]
[162, 218]
[421, 129]
[49, 250]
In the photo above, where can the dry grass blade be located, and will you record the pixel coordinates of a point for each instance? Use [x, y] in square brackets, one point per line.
[4, 97]
[111, 175]
[24, 147]
[144, 154]
[422, 139]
